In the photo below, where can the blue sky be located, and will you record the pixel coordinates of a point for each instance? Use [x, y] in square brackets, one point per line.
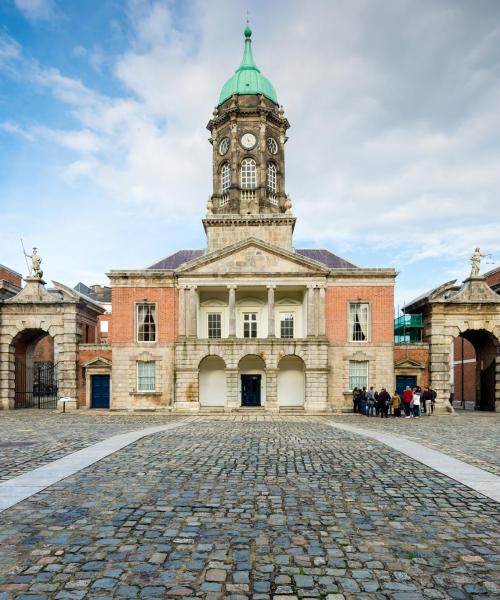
[393, 156]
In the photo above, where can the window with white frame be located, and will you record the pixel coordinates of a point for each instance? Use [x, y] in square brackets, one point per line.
[272, 181]
[104, 325]
[146, 322]
[225, 178]
[146, 376]
[248, 173]
[214, 325]
[358, 374]
[358, 321]
[286, 325]
[249, 325]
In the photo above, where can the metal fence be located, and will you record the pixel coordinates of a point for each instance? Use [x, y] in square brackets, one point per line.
[35, 385]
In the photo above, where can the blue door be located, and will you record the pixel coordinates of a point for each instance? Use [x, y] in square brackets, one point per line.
[403, 380]
[250, 390]
[100, 391]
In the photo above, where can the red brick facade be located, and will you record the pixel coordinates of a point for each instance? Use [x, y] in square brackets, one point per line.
[414, 353]
[11, 277]
[381, 300]
[124, 301]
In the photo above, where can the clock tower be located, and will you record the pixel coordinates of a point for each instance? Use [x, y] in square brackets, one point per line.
[248, 135]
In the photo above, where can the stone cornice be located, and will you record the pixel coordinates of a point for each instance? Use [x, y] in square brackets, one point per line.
[250, 220]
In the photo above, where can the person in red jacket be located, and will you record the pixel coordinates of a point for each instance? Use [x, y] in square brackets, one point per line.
[407, 399]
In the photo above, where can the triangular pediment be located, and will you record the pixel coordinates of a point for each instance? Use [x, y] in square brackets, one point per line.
[97, 362]
[253, 256]
[409, 363]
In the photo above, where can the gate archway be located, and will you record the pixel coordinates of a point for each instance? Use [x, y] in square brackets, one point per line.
[35, 370]
[471, 310]
[59, 316]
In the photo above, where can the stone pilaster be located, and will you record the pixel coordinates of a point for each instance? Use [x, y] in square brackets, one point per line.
[233, 400]
[310, 311]
[272, 390]
[193, 312]
[182, 311]
[232, 311]
[270, 311]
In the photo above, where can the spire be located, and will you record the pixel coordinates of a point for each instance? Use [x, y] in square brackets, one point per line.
[247, 78]
[247, 61]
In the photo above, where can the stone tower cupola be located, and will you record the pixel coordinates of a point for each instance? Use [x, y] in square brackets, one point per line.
[248, 135]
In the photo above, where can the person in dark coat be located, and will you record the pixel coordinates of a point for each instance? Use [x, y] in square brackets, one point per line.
[355, 400]
[384, 399]
[362, 400]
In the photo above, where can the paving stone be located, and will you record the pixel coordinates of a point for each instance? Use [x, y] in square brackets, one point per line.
[240, 508]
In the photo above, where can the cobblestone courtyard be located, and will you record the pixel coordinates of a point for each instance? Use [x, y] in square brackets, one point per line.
[234, 508]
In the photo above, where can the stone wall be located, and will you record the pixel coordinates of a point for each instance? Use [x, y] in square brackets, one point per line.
[189, 352]
[124, 376]
[224, 231]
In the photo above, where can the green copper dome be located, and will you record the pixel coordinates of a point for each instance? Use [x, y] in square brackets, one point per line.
[248, 79]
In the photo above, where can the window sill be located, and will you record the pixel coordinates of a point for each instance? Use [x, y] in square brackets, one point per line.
[136, 393]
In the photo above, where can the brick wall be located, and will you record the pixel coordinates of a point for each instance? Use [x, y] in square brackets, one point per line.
[84, 356]
[418, 353]
[44, 350]
[103, 335]
[10, 276]
[124, 301]
[381, 300]
[494, 278]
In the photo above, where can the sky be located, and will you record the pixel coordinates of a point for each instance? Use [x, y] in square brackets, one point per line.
[393, 157]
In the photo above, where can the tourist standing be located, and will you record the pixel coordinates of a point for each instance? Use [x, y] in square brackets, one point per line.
[370, 402]
[384, 402]
[362, 400]
[355, 399]
[396, 404]
[407, 399]
[416, 402]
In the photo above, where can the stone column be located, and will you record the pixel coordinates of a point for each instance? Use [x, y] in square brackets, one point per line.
[182, 311]
[270, 311]
[232, 310]
[193, 310]
[321, 312]
[310, 311]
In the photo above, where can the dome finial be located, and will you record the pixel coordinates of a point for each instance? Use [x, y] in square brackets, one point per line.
[248, 31]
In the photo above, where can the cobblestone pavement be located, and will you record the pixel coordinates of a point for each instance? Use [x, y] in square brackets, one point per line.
[31, 438]
[473, 437]
[227, 509]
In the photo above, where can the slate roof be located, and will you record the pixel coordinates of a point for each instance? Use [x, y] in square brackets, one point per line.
[330, 260]
[326, 257]
[177, 259]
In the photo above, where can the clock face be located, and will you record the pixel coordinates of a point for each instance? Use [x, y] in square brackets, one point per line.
[272, 145]
[248, 140]
[224, 146]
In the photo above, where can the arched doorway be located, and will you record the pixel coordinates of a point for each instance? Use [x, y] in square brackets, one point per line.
[291, 382]
[212, 381]
[35, 369]
[474, 367]
[252, 381]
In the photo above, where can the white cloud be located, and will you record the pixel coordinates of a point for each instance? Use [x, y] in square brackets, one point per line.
[35, 10]
[394, 113]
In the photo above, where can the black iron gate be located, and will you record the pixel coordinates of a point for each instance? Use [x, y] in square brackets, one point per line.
[35, 385]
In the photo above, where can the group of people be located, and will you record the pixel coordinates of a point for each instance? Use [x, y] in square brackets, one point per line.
[413, 401]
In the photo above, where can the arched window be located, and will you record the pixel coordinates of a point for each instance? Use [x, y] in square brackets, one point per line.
[225, 178]
[248, 173]
[272, 180]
